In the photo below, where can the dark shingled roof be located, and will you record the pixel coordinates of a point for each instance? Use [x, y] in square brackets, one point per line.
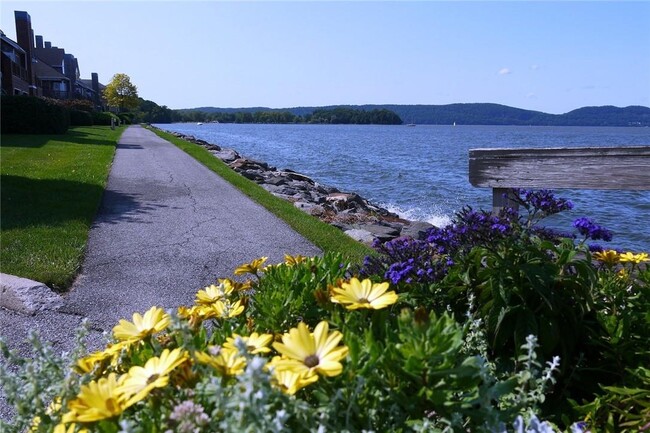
[10, 42]
[50, 56]
[89, 84]
[45, 72]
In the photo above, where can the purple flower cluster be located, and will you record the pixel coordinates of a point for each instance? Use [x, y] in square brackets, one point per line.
[421, 261]
[406, 260]
[472, 228]
[590, 230]
[542, 201]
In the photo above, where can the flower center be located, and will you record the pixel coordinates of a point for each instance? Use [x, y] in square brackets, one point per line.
[363, 301]
[311, 361]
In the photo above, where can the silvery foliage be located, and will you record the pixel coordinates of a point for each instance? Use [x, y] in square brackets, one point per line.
[30, 384]
[253, 404]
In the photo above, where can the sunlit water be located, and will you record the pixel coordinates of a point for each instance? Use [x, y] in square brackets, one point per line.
[421, 172]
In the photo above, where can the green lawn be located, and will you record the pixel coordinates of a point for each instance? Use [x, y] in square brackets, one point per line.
[51, 188]
[323, 235]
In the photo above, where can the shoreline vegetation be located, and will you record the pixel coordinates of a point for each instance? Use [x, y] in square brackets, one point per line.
[354, 215]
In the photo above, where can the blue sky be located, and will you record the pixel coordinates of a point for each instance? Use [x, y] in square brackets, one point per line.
[547, 56]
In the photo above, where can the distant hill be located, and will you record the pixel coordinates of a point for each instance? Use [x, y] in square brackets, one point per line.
[479, 114]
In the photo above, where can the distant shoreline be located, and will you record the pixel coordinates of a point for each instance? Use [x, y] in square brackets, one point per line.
[483, 114]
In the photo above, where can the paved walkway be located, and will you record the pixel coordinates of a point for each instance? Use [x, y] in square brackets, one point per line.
[167, 227]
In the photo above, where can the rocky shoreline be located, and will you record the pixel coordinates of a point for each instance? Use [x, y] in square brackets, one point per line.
[353, 214]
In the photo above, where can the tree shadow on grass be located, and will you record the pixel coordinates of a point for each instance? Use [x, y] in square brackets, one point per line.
[27, 202]
[36, 140]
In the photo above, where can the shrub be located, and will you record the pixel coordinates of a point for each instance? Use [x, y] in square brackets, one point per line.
[80, 118]
[126, 118]
[104, 118]
[31, 115]
[77, 104]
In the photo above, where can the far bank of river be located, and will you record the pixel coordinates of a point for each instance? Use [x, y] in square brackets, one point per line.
[420, 172]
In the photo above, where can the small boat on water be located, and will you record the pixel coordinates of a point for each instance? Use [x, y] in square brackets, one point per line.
[199, 123]
[410, 124]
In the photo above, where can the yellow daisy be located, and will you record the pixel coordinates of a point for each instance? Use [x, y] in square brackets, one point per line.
[609, 257]
[290, 382]
[226, 309]
[88, 363]
[140, 381]
[294, 260]
[309, 353]
[228, 362]
[97, 400]
[214, 293]
[154, 320]
[252, 267]
[255, 343]
[634, 258]
[363, 294]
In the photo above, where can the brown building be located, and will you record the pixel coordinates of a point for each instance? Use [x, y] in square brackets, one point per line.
[33, 67]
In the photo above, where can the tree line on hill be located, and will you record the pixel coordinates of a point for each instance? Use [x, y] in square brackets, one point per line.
[334, 116]
[460, 114]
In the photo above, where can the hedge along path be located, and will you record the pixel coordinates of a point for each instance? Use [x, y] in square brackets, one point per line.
[51, 188]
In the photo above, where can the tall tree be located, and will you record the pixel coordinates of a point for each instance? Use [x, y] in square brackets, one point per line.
[120, 92]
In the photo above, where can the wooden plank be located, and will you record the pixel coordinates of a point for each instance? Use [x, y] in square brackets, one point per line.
[614, 168]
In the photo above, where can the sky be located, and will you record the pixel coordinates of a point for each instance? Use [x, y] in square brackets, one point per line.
[546, 56]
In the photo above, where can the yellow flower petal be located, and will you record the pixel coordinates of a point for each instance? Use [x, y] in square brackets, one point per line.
[96, 401]
[153, 321]
[309, 353]
[363, 294]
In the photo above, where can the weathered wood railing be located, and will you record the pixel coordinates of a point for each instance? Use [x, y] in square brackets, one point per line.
[613, 168]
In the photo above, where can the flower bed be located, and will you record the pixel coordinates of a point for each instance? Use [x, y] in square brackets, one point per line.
[490, 324]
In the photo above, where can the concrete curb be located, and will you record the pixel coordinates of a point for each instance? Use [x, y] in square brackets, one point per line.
[27, 296]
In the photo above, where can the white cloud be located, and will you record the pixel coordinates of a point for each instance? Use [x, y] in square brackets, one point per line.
[505, 71]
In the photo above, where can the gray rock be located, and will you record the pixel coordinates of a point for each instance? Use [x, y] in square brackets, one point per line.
[227, 155]
[416, 230]
[276, 180]
[27, 296]
[381, 232]
[297, 176]
[252, 175]
[310, 208]
[361, 235]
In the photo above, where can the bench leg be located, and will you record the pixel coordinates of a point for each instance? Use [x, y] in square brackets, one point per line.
[501, 198]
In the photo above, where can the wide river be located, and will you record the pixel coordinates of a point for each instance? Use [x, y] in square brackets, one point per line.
[421, 172]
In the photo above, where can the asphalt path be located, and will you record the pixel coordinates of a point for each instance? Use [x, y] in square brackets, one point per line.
[167, 227]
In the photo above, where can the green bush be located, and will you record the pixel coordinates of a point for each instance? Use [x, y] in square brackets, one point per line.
[31, 115]
[126, 118]
[104, 118]
[77, 104]
[81, 118]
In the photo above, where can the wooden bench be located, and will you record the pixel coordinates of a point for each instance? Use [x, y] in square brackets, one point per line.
[611, 168]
